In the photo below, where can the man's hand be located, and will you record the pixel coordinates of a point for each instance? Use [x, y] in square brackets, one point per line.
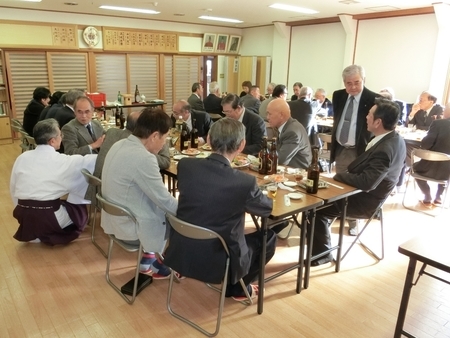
[98, 143]
[414, 109]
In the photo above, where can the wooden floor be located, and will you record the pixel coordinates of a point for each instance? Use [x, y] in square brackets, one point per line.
[62, 292]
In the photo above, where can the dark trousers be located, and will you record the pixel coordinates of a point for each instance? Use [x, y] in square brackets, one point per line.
[425, 188]
[254, 246]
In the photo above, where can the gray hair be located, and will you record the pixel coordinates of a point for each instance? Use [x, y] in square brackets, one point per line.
[321, 91]
[305, 91]
[83, 98]
[272, 84]
[45, 130]
[72, 95]
[213, 87]
[388, 90]
[226, 135]
[353, 70]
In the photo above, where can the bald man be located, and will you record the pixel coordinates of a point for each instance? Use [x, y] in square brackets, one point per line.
[202, 119]
[292, 144]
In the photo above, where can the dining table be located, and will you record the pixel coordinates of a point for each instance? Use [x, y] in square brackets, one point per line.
[285, 207]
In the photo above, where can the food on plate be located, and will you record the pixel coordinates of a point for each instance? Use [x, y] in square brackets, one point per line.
[191, 151]
[240, 161]
[206, 146]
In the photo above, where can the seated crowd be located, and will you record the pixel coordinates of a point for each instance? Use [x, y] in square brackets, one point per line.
[367, 151]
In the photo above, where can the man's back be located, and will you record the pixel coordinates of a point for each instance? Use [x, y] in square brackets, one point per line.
[201, 181]
[293, 145]
[213, 104]
[63, 115]
[195, 102]
[302, 112]
[251, 103]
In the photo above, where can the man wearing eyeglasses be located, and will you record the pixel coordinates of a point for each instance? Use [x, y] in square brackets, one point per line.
[83, 135]
[190, 116]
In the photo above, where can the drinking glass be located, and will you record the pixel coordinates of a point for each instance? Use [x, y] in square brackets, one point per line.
[272, 189]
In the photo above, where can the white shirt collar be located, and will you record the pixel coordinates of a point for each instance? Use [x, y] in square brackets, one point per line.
[376, 139]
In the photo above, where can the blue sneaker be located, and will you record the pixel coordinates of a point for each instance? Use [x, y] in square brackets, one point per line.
[160, 269]
[148, 258]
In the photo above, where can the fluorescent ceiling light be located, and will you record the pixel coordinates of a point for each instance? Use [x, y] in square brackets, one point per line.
[294, 9]
[128, 9]
[215, 18]
[30, 0]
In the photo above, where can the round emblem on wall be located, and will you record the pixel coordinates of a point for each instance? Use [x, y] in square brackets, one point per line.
[91, 36]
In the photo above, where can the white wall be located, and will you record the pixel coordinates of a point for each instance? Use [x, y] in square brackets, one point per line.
[398, 52]
[257, 41]
[317, 54]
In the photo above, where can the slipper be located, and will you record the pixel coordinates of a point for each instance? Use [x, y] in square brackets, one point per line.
[255, 291]
[157, 276]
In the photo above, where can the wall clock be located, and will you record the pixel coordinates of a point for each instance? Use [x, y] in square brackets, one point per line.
[91, 36]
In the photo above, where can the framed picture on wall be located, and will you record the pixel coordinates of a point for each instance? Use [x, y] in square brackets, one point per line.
[233, 45]
[209, 42]
[222, 43]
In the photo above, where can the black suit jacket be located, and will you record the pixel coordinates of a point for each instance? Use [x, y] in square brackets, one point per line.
[203, 122]
[213, 105]
[63, 115]
[215, 196]
[31, 115]
[255, 130]
[423, 121]
[376, 172]
[302, 111]
[362, 136]
[437, 139]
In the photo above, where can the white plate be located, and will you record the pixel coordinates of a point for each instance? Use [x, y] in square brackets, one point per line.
[191, 152]
[290, 183]
[179, 157]
[280, 167]
[295, 195]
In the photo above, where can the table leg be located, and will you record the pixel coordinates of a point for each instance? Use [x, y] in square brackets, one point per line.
[344, 203]
[405, 299]
[309, 246]
[262, 264]
[301, 250]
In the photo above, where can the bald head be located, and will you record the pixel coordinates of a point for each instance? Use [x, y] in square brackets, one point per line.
[182, 108]
[278, 112]
[131, 120]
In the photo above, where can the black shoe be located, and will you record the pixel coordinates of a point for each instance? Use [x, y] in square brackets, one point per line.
[279, 227]
[324, 260]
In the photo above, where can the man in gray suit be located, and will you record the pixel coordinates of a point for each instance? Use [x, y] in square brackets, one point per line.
[131, 178]
[195, 100]
[292, 144]
[251, 101]
[83, 135]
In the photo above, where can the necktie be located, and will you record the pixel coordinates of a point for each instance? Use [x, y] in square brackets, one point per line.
[91, 132]
[343, 138]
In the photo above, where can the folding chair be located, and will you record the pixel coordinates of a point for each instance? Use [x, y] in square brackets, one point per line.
[24, 145]
[378, 214]
[95, 183]
[432, 156]
[172, 258]
[118, 210]
[31, 142]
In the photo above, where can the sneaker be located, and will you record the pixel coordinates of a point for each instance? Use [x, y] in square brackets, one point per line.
[353, 227]
[159, 268]
[148, 258]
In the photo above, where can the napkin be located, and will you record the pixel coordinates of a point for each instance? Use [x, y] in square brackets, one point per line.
[285, 187]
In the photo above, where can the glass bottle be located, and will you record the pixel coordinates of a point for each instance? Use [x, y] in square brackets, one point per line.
[137, 96]
[263, 157]
[117, 116]
[184, 138]
[273, 158]
[179, 124]
[194, 135]
[312, 182]
[103, 112]
[122, 119]
[119, 97]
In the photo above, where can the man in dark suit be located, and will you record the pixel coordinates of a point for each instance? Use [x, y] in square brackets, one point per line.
[201, 119]
[437, 139]
[375, 172]
[195, 100]
[201, 180]
[425, 111]
[83, 135]
[292, 143]
[213, 102]
[255, 128]
[345, 149]
[304, 110]
[41, 98]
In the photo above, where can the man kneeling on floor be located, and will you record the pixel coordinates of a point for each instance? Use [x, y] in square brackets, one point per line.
[39, 179]
[215, 196]
[375, 171]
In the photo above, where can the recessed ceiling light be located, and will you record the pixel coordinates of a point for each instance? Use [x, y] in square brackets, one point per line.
[215, 18]
[294, 8]
[129, 9]
[179, 14]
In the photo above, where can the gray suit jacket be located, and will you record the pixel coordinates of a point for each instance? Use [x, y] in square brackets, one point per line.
[251, 103]
[195, 102]
[131, 178]
[76, 138]
[293, 145]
